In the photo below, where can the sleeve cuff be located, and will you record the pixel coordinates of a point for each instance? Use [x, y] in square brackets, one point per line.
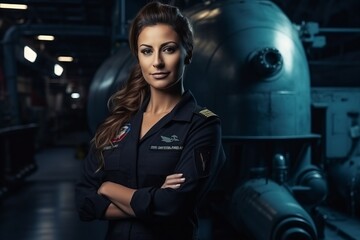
[141, 202]
[102, 204]
[95, 207]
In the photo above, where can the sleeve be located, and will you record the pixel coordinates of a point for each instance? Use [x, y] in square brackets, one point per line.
[200, 162]
[89, 203]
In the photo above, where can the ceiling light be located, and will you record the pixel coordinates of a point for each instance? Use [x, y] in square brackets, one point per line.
[58, 70]
[65, 59]
[46, 37]
[13, 6]
[29, 54]
[75, 95]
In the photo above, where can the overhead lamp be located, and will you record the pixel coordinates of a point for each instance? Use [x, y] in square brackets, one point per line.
[29, 54]
[13, 6]
[58, 70]
[65, 59]
[45, 37]
[75, 95]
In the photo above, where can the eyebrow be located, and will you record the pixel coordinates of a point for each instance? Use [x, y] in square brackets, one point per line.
[164, 44]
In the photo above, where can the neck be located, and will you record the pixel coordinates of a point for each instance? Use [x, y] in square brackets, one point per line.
[163, 101]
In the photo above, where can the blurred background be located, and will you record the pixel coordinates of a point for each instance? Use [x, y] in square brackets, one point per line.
[284, 77]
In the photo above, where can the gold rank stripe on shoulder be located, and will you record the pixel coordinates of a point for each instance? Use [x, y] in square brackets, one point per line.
[207, 113]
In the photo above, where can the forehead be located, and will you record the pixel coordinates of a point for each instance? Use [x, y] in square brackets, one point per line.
[156, 34]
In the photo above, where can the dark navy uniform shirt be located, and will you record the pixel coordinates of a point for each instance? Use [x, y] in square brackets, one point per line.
[188, 141]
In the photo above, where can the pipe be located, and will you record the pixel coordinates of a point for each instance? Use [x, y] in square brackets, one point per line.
[279, 169]
[10, 72]
[311, 188]
[263, 204]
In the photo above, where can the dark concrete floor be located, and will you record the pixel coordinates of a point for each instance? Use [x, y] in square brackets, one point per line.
[43, 208]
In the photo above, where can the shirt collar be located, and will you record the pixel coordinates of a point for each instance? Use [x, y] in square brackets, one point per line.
[183, 111]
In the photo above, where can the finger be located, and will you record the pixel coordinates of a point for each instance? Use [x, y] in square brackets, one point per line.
[175, 181]
[176, 175]
[173, 186]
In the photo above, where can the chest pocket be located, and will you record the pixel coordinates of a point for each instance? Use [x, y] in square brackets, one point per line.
[157, 165]
[111, 157]
[163, 158]
[112, 169]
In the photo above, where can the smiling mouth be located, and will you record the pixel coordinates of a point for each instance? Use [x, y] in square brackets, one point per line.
[160, 75]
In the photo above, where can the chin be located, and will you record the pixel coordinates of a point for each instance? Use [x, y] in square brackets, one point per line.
[167, 86]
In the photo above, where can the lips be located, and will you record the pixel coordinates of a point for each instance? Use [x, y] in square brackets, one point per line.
[160, 75]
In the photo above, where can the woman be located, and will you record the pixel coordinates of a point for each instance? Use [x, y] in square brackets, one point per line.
[158, 152]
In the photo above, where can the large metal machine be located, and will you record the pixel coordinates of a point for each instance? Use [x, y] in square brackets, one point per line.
[250, 68]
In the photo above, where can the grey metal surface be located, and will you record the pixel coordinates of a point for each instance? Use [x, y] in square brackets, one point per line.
[224, 79]
[108, 78]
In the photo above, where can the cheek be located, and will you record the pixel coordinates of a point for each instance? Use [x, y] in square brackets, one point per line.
[175, 62]
[145, 61]
[142, 62]
[143, 65]
[145, 74]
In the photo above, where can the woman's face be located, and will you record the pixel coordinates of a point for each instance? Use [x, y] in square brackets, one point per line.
[161, 56]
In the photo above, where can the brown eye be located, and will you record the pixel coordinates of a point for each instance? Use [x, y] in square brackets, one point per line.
[169, 49]
[146, 51]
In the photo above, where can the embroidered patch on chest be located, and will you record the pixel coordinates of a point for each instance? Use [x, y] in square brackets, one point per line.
[172, 138]
[110, 147]
[169, 147]
[167, 143]
[124, 130]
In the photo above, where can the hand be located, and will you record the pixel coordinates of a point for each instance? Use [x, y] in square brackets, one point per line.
[173, 181]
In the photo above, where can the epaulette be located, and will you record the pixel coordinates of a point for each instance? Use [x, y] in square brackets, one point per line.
[207, 113]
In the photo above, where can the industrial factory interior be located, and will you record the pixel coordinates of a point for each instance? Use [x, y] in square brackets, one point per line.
[283, 77]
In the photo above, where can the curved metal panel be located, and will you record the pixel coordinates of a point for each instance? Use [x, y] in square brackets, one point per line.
[108, 78]
[228, 36]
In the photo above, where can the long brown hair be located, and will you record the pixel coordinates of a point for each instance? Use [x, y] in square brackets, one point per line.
[126, 102]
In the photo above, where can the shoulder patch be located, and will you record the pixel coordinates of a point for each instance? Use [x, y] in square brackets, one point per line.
[207, 113]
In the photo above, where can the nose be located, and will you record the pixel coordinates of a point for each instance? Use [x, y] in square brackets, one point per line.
[158, 61]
